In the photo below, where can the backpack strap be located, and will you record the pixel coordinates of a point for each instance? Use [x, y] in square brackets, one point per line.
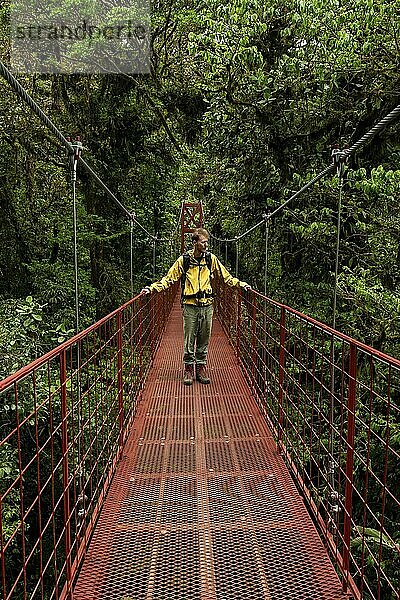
[186, 262]
[186, 265]
[208, 258]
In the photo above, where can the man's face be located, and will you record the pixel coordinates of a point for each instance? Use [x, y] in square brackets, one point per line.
[201, 245]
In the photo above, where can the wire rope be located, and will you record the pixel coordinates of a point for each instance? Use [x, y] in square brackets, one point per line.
[237, 258]
[266, 253]
[238, 237]
[305, 187]
[363, 141]
[75, 242]
[24, 95]
[337, 248]
[154, 258]
[131, 257]
[105, 188]
[333, 494]
[367, 137]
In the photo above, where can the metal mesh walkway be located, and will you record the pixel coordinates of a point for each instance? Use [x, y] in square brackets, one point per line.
[202, 506]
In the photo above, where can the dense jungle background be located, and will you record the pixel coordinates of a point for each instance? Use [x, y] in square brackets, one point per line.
[243, 105]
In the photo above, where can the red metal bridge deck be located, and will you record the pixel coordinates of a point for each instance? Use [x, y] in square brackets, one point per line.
[202, 505]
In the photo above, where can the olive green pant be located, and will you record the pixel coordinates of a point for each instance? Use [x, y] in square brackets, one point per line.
[197, 324]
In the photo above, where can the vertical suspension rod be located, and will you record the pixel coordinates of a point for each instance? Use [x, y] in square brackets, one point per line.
[237, 258]
[266, 217]
[131, 253]
[154, 258]
[74, 158]
[339, 222]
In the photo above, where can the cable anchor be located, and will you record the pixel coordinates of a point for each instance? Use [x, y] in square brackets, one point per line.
[80, 503]
[333, 495]
[76, 154]
[339, 159]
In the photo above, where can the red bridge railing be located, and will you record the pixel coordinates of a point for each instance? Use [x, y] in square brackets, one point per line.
[333, 404]
[64, 419]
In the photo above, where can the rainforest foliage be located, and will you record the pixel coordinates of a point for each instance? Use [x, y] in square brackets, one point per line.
[243, 104]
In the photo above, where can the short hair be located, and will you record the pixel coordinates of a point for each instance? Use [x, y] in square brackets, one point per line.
[198, 232]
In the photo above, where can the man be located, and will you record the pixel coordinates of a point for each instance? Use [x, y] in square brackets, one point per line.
[197, 267]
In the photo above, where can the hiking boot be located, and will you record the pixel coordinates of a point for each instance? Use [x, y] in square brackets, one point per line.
[188, 375]
[201, 374]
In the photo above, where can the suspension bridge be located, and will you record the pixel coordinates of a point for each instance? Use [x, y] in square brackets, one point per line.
[277, 481]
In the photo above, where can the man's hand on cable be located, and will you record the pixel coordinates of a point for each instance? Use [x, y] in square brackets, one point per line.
[145, 290]
[247, 287]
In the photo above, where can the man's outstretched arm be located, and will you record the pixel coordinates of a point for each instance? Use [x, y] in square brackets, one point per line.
[173, 275]
[228, 278]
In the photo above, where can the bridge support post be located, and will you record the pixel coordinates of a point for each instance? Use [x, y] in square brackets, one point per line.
[238, 322]
[348, 501]
[120, 382]
[140, 320]
[253, 336]
[159, 318]
[65, 471]
[152, 309]
[282, 336]
[191, 218]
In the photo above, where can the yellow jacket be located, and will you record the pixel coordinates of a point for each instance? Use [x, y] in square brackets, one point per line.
[198, 278]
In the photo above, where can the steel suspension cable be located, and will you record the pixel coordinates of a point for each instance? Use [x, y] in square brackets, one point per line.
[131, 257]
[305, 187]
[105, 188]
[363, 141]
[113, 197]
[266, 253]
[75, 242]
[380, 126]
[333, 494]
[340, 185]
[24, 95]
[237, 258]
[20, 90]
[77, 407]
[238, 237]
